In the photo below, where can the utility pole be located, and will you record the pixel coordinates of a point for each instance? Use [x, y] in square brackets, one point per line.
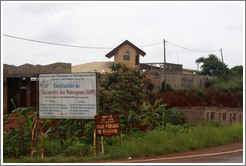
[164, 66]
[222, 60]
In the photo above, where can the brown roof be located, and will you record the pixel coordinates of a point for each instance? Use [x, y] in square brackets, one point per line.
[112, 53]
[92, 67]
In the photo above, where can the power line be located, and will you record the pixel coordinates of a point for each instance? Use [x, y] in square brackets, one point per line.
[91, 47]
[58, 44]
[67, 45]
[188, 48]
[150, 44]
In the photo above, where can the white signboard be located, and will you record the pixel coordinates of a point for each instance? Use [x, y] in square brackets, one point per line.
[68, 96]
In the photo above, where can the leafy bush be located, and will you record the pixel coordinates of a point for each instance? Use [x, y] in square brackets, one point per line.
[122, 90]
[70, 130]
[156, 115]
[17, 141]
[166, 88]
[78, 149]
[51, 147]
[176, 128]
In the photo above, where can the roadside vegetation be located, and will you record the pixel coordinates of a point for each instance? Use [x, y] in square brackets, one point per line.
[225, 89]
[147, 128]
[172, 138]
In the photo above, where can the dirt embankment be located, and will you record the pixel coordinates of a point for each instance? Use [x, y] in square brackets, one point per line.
[210, 97]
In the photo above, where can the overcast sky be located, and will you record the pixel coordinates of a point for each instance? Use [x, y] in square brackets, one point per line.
[201, 26]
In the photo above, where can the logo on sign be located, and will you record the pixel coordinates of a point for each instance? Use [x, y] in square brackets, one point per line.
[44, 84]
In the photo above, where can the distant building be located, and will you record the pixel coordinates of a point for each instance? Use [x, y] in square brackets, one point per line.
[126, 53]
[129, 54]
[20, 83]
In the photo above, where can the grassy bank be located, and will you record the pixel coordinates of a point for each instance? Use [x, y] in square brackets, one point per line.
[156, 142]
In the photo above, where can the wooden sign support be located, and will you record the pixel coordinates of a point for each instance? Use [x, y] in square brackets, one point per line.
[40, 131]
[102, 144]
[94, 143]
[106, 125]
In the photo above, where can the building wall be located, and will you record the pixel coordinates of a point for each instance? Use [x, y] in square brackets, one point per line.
[118, 58]
[158, 67]
[177, 81]
[222, 114]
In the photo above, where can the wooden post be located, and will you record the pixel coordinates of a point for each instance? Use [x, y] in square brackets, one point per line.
[33, 130]
[97, 144]
[37, 126]
[94, 143]
[102, 144]
[41, 137]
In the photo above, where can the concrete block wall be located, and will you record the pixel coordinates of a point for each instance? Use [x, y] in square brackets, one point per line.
[178, 81]
[222, 114]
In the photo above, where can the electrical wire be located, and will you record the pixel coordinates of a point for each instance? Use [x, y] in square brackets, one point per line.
[67, 45]
[90, 47]
[58, 44]
[190, 49]
[150, 44]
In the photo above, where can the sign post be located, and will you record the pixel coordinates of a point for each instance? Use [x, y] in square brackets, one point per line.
[106, 125]
[68, 96]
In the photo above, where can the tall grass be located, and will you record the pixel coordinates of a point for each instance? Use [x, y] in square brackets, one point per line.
[174, 138]
[169, 141]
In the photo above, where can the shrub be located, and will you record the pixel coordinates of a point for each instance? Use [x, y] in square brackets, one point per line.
[78, 149]
[18, 141]
[157, 115]
[164, 89]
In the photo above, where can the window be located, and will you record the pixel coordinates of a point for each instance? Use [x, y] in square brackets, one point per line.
[207, 116]
[224, 116]
[230, 118]
[212, 115]
[127, 52]
[219, 116]
[126, 57]
[234, 117]
[137, 60]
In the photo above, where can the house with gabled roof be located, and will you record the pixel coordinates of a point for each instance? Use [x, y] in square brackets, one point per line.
[129, 54]
[126, 53]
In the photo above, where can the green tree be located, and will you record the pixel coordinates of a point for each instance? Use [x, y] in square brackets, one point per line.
[212, 66]
[237, 70]
[122, 90]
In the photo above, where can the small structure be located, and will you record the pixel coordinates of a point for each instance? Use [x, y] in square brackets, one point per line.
[127, 53]
[19, 83]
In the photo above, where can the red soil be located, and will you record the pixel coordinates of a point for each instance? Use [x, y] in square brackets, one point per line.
[212, 97]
